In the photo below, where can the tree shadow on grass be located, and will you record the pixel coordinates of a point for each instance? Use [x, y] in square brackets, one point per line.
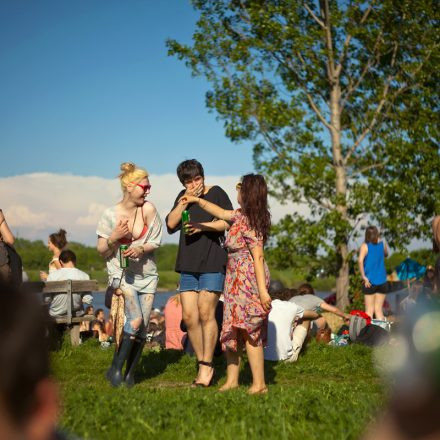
[245, 377]
[154, 363]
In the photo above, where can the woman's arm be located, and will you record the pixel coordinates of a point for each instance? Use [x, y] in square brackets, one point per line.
[211, 208]
[363, 251]
[215, 226]
[56, 263]
[108, 246]
[5, 232]
[258, 257]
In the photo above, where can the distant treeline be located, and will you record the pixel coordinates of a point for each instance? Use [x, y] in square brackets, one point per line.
[36, 256]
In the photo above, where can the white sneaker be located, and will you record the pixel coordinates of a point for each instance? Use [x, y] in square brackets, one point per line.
[295, 355]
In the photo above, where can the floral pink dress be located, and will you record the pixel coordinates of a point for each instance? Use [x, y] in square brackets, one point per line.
[242, 306]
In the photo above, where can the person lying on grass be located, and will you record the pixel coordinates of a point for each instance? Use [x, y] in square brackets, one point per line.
[305, 297]
[283, 318]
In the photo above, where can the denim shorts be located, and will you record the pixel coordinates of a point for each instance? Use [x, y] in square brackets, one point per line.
[210, 281]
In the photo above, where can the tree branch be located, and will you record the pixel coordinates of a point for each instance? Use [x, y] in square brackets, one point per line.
[328, 42]
[348, 39]
[371, 124]
[367, 168]
[370, 63]
[320, 22]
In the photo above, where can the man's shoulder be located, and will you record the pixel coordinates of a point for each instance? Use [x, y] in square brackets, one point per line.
[68, 273]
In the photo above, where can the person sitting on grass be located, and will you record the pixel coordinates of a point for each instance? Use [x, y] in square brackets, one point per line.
[305, 297]
[283, 317]
[98, 326]
[68, 271]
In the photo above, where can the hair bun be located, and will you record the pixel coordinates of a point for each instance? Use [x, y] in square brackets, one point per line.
[128, 167]
[62, 232]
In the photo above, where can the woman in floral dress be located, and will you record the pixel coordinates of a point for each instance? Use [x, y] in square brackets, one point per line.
[247, 302]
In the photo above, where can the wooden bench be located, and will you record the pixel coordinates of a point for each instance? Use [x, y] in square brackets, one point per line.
[68, 287]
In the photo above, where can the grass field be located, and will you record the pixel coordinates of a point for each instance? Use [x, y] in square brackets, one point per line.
[330, 393]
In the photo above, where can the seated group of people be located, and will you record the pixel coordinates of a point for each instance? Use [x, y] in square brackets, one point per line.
[295, 314]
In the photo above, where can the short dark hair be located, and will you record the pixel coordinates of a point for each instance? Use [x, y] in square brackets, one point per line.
[306, 289]
[67, 256]
[284, 294]
[188, 169]
[24, 354]
[371, 234]
[98, 311]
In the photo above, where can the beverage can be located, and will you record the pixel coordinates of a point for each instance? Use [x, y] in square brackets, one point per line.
[185, 220]
[123, 261]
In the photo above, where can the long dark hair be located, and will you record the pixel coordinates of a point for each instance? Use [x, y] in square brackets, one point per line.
[254, 204]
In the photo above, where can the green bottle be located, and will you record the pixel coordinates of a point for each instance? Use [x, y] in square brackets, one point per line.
[185, 220]
[123, 261]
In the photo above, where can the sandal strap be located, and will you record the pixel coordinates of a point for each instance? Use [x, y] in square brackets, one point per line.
[208, 364]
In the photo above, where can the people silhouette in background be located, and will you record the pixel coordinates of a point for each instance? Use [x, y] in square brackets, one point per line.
[56, 243]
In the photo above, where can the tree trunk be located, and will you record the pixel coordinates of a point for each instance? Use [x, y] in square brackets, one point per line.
[341, 192]
[342, 280]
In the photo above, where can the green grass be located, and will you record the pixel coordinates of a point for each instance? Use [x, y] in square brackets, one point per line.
[330, 393]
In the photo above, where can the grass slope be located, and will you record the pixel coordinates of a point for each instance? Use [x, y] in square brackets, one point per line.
[330, 393]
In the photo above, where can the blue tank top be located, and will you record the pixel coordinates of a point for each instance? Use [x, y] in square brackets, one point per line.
[374, 264]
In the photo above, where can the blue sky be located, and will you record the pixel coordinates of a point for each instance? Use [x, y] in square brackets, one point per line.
[85, 85]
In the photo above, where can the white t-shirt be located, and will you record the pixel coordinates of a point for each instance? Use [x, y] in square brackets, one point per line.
[279, 333]
[58, 303]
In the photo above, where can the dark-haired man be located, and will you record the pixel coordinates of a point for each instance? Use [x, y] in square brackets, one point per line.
[68, 271]
[28, 396]
[201, 262]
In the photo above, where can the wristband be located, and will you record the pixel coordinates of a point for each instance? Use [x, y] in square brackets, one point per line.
[110, 243]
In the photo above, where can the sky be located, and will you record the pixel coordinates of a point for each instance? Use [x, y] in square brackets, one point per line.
[86, 85]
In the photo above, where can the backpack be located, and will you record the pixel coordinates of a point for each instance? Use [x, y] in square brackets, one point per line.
[358, 320]
[11, 263]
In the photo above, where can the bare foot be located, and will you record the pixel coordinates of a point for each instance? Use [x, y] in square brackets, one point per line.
[227, 387]
[259, 390]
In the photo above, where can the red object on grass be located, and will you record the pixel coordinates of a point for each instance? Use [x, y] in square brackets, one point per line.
[362, 314]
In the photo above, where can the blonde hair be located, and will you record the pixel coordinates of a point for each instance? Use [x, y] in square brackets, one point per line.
[131, 174]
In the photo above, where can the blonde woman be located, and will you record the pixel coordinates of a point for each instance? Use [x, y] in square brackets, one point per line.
[134, 221]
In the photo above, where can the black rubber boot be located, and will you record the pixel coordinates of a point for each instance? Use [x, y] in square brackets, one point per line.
[133, 360]
[114, 374]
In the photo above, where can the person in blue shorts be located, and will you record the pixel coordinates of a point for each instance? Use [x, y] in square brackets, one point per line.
[201, 262]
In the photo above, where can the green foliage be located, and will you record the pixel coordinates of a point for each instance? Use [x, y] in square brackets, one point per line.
[166, 256]
[316, 398]
[341, 102]
[36, 256]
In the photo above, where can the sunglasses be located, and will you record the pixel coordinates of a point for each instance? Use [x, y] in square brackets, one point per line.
[238, 186]
[144, 187]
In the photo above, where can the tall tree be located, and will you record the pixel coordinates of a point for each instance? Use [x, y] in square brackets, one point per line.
[341, 101]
